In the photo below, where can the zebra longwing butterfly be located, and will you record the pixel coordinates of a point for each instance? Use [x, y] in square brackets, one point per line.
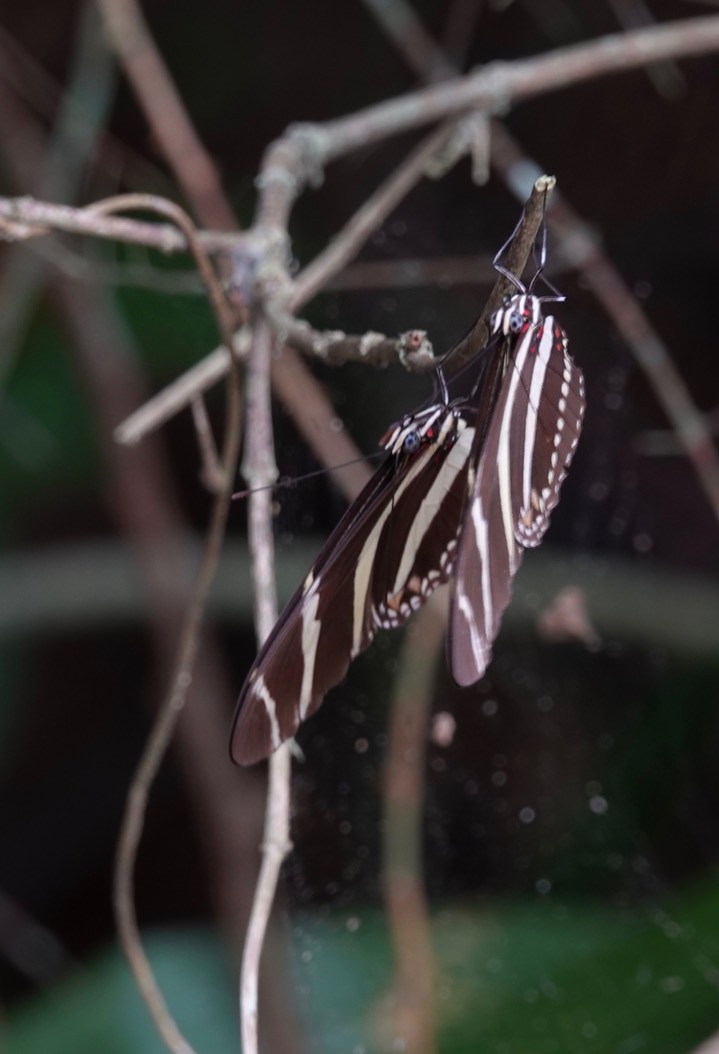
[467, 484]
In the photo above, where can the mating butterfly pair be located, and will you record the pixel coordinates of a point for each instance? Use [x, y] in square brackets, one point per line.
[467, 484]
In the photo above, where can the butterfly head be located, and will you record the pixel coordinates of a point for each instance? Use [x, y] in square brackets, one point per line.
[436, 425]
[516, 314]
[412, 442]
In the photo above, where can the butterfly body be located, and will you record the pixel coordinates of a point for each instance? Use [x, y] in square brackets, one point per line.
[467, 483]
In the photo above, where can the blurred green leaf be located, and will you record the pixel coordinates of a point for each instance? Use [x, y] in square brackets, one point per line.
[542, 976]
[46, 428]
[545, 977]
[99, 1009]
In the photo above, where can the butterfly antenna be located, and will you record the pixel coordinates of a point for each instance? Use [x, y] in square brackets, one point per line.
[539, 254]
[285, 482]
[442, 383]
[500, 268]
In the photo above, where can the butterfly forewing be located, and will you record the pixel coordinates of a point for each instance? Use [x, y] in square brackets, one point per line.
[390, 551]
[416, 551]
[268, 710]
[530, 440]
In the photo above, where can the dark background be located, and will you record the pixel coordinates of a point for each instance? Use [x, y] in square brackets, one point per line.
[602, 911]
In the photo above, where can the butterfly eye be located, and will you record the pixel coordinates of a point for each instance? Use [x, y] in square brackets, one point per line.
[411, 443]
[516, 321]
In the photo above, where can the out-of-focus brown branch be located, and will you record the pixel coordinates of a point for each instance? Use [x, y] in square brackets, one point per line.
[61, 162]
[459, 30]
[347, 243]
[297, 389]
[666, 76]
[444, 271]
[145, 509]
[502, 84]
[211, 473]
[140, 498]
[168, 119]
[403, 783]
[163, 727]
[158, 96]
[32, 949]
[304, 149]
[41, 94]
[323, 431]
[580, 250]
[197, 174]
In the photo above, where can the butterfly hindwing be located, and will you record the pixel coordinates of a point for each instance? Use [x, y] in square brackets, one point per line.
[553, 419]
[529, 443]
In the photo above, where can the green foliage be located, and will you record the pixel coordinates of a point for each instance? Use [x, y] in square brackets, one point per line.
[551, 978]
[46, 431]
[100, 1010]
[172, 331]
[543, 976]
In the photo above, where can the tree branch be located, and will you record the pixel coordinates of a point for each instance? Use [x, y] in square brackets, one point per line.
[259, 470]
[163, 727]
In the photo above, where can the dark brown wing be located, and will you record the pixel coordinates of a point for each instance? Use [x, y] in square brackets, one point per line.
[391, 549]
[529, 443]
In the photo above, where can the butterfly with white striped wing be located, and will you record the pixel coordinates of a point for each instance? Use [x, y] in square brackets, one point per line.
[466, 485]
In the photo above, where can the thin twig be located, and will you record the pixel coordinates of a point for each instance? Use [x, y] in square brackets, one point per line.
[335, 347]
[259, 470]
[39, 216]
[403, 887]
[180, 393]
[142, 502]
[161, 102]
[163, 727]
[196, 172]
[211, 472]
